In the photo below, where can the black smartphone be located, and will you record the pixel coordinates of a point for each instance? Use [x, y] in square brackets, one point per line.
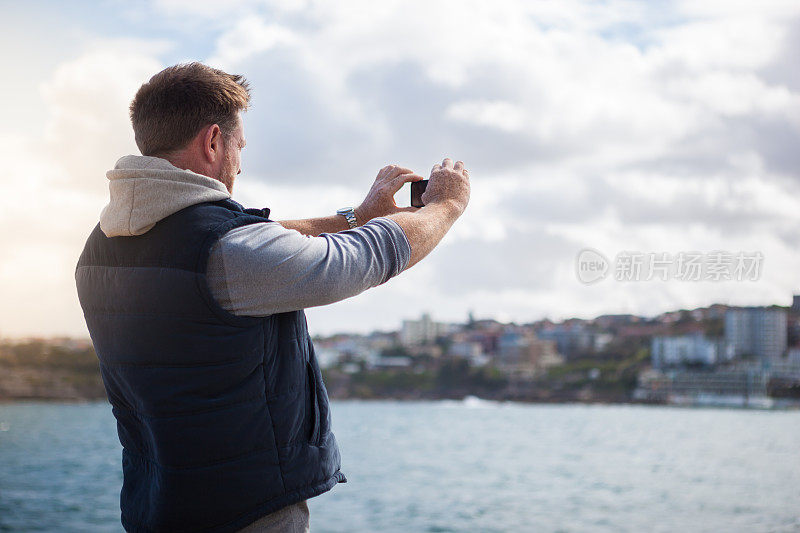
[417, 188]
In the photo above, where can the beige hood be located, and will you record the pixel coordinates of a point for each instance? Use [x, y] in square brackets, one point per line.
[147, 189]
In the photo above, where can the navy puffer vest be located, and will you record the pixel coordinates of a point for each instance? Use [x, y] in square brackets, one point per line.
[222, 418]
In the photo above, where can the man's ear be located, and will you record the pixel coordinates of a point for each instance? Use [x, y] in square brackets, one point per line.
[212, 143]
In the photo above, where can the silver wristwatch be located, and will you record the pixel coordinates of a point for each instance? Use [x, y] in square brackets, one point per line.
[350, 214]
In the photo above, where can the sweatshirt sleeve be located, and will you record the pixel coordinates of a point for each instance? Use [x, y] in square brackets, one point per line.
[263, 268]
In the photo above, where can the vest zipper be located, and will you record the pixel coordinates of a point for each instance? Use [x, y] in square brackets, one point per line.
[312, 384]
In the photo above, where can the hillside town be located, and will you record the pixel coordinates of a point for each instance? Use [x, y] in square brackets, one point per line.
[716, 355]
[737, 356]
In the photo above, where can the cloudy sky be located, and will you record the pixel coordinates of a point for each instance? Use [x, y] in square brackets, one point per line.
[655, 127]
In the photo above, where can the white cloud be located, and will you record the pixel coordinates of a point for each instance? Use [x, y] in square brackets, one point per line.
[209, 9]
[88, 99]
[251, 35]
[59, 183]
[496, 114]
[616, 125]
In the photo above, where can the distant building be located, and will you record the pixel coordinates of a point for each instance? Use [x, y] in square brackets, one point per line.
[475, 343]
[796, 304]
[523, 354]
[738, 386]
[602, 340]
[571, 339]
[468, 345]
[793, 330]
[345, 348]
[695, 348]
[327, 357]
[422, 331]
[510, 346]
[466, 349]
[756, 331]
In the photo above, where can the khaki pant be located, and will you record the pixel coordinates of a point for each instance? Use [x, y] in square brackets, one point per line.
[291, 519]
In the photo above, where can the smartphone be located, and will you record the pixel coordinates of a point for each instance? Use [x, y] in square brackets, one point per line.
[417, 188]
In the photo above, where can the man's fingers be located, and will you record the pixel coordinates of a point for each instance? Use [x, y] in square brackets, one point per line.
[400, 170]
[397, 182]
[403, 178]
[386, 171]
[391, 171]
[447, 163]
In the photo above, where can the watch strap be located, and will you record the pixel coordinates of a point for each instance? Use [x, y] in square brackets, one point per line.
[350, 214]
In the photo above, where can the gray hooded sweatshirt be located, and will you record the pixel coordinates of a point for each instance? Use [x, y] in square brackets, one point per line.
[262, 268]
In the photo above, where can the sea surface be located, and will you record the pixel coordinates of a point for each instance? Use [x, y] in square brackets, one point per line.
[468, 465]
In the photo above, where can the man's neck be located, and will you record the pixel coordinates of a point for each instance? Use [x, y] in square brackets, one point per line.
[184, 161]
[187, 161]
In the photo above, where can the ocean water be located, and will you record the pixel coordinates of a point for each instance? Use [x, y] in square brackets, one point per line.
[459, 466]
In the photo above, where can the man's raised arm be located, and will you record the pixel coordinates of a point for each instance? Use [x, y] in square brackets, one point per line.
[265, 268]
[445, 199]
[379, 202]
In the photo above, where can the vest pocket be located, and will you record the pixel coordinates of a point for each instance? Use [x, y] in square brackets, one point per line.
[312, 395]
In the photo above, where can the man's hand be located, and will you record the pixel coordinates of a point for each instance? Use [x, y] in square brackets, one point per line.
[445, 198]
[380, 198]
[448, 184]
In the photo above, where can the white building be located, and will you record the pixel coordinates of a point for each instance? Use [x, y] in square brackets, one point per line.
[694, 348]
[756, 331]
[422, 331]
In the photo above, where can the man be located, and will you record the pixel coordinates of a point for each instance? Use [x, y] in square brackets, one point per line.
[195, 308]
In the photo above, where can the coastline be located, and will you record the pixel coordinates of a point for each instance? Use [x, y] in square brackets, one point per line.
[70, 373]
[471, 401]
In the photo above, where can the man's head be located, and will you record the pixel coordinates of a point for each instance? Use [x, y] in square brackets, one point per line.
[189, 114]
